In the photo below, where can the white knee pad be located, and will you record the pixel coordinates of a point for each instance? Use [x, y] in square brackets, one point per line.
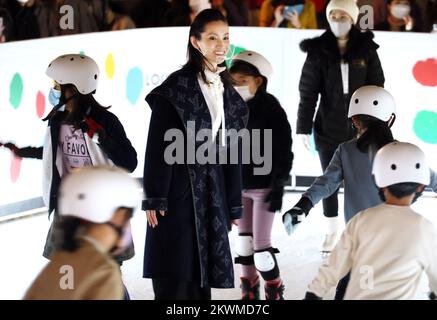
[244, 245]
[264, 261]
[266, 264]
[244, 249]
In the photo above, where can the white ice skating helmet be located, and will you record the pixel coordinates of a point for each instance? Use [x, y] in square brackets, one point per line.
[400, 162]
[76, 69]
[372, 101]
[257, 60]
[95, 193]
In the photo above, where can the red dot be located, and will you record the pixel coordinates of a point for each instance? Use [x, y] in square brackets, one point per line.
[425, 72]
[15, 168]
[40, 104]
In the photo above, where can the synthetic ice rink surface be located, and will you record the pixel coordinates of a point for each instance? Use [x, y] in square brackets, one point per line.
[22, 241]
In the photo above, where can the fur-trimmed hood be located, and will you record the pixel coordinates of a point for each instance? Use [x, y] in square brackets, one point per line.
[327, 43]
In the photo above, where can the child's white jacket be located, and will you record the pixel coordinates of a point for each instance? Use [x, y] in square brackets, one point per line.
[388, 249]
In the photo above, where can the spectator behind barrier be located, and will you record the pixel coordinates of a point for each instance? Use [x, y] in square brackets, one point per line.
[274, 14]
[236, 11]
[402, 15]
[183, 12]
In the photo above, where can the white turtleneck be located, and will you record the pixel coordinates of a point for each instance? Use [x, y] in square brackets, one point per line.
[213, 94]
[344, 66]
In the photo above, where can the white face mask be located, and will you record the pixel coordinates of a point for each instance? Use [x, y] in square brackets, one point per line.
[244, 93]
[400, 11]
[340, 29]
[200, 5]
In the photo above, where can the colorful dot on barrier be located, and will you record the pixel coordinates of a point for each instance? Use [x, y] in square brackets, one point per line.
[134, 84]
[16, 90]
[425, 72]
[233, 51]
[15, 168]
[110, 66]
[40, 104]
[425, 126]
[82, 53]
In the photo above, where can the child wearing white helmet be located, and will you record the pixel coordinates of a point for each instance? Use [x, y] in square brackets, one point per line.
[95, 206]
[80, 132]
[386, 248]
[372, 111]
[262, 194]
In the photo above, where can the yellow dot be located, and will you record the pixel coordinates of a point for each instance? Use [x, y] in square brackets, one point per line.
[110, 66]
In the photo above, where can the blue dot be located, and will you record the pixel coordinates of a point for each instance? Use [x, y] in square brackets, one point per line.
[134, 84]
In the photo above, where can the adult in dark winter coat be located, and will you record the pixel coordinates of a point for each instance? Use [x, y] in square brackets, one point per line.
[338, 62]
[187, 249]
[262, 189]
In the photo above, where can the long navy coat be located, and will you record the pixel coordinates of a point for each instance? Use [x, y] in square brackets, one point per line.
[191, 242]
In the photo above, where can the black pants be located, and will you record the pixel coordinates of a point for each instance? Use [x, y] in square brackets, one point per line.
[165, 289]
[330, 204]
[340, 291]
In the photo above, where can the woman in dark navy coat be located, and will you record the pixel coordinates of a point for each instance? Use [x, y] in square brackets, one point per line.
[191, 204]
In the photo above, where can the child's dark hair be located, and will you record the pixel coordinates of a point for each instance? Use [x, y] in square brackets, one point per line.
[377, 133]
[69, 227]
[196, 61]
[401, 190]
[248, 69]
[83, 104]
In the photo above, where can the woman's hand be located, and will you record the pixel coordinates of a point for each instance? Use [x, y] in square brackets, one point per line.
[293, 18]
[152, 218]
[234, 222]
[279, 16]
[409, 23]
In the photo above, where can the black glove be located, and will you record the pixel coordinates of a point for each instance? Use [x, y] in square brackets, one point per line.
[11, 147]
[311, 296]
[274, 197]
[293, 217]
[15, 150]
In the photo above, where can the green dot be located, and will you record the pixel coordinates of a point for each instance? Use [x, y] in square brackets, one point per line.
[16, 90]
[425, 126]
[233, 51]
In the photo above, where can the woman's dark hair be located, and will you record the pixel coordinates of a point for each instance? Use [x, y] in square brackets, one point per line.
[69, 227]
[83, 105]
[377, 133]
[196, 61]
[247, 69]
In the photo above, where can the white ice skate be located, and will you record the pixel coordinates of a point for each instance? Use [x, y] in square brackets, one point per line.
[331, 237]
